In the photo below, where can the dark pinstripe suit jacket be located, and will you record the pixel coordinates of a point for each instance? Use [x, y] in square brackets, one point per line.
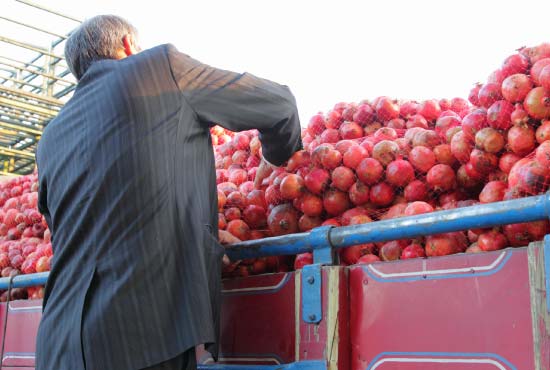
[127, 185]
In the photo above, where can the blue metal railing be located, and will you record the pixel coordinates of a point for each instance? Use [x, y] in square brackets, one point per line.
[479, 216]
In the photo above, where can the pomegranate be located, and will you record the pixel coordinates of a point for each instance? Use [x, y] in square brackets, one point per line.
[529, 176]
[239, 229]
[490, 140]
[317, 181]
[299, 159]
[397, 124]
[491, 241]
[364, 114]
[519, 115]
[283, 219]
[542, 154]
[544, 78]
[306, 223]
[422, 158]
[335, 202]
[474, 93]
[334, 119]
[330, 136]
[440, 245]
[443, 125]
[387, 109]
[543, 132]
[413, 250]
[273, 195]
[316, 125]
[222, 222]
[473, 122]
[369, 171]
[331, 159]
[343, 178]
[311, 205]
[399, 173]
[507, 161]
[368, 259]
[521, 139]
[359, 193]
[493, 191]
[430, 109]
[516, 63]
[537, 68]
[349, 112]
[303, 260]
[236, 199]
[537, 103]
[461, 147]
[444, 155]
[520, 235]
[351, 130]
[408, 109]
[255, 216]
[426, 138]
[416, 191]
[483, 162]
[354, 155]
[516, 87]
[488, 94]
[292, 187]
[417, 120]
[385, 152]
[381, 194]
[499, 115]
[348, 215]
[232, 213]
[441, 177]
[390, 251]
[343, 145]
[351, 255]
[417, 208]
[221, 200]
[256, 197]
[385, 133]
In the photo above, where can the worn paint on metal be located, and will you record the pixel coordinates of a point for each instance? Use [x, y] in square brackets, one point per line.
[312, 310]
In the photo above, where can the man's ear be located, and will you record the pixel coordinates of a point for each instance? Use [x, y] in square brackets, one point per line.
[129, 43]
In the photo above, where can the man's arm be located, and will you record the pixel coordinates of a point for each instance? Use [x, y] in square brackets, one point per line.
[240, 102]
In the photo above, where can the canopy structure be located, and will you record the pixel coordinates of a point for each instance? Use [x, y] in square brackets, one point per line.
[35, 81]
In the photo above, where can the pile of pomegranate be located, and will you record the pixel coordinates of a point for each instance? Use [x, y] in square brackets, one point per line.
[361, 162]
[383, 159]
[25, 241]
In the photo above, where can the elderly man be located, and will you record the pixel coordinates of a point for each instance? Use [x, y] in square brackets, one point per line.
[128, 188]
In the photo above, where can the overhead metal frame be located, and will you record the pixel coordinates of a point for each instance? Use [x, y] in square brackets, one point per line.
[32, 92]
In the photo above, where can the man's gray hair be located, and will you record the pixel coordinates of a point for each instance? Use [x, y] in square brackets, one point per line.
[96, 38]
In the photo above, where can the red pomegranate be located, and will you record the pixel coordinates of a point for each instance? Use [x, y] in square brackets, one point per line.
[444, 155]
[342, 178]
[543, 131]
[521, 139]
[317, 180]
[499, 115]
[483, 162]
[399, 173]
[381, 194]
[491, 241]
[507, 161]
[516, 87]
[239, 229]
[283, 219]
[385, 152]
[441, 177]
[542, 154]
[416, 191]
[311, 205]
[493, 191]
[488, 94]
[413, 250]
[359, 193]
[369, 171]
[422, 158]
[537, 103]
[292, 187]
[490, 140]
[255, 216]
[417, 208]
[354, 155]
[335, 202]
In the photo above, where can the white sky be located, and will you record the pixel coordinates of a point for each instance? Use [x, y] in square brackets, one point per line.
[331, 51]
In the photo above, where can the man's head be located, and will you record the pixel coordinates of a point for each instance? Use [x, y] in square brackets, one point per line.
[101, 37]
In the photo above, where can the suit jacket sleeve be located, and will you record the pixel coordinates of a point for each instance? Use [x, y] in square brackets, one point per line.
[240, 102]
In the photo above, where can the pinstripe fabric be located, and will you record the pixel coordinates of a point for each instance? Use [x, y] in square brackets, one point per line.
[127, 185]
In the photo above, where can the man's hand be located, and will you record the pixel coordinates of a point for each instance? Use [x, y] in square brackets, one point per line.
[264, 170]
[225, 238]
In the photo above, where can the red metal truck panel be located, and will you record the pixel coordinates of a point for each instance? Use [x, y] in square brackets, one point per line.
[469, 311]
